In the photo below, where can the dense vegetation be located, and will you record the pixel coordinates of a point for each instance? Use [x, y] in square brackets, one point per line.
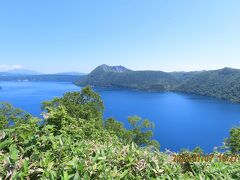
[74, 142]
[223, 83]
[143, 80]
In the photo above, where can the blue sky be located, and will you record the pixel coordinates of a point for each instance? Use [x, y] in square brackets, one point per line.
[76, 35]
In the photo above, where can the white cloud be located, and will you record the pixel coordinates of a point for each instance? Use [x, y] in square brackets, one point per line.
[4, 67]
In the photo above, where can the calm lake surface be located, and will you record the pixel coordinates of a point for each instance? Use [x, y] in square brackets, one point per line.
[181, 120]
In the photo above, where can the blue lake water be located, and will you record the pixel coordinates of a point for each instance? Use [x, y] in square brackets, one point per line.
[181, 120]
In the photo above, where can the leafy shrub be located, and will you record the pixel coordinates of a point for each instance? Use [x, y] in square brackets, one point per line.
[233, 142]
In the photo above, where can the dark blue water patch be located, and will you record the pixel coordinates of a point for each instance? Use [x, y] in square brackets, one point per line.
[30, 95]
[181, 120]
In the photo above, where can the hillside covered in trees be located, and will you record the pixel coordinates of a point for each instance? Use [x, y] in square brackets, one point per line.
[143, 80]
[73, 141]
[223, 83]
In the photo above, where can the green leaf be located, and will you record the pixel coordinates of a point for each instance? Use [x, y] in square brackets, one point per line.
[25, 166]
[13, 153]
[76, 176]
[65, 175]
[5, 143]
[124, 174]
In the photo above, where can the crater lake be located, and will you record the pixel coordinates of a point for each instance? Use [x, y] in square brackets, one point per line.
[181, 120]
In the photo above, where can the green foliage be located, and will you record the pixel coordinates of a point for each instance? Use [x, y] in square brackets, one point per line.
[66, 146]
[107, 76]
[117, 128]
[223, 83]
[233, 142]
[11, 115]
[139, 133]
[85, 104]
[198, 150]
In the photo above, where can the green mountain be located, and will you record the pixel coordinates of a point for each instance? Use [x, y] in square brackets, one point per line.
[223, 83]
[119, 76]
[106, 68]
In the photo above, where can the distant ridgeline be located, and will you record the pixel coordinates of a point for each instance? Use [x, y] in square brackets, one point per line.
[45, 77]
[223, 83]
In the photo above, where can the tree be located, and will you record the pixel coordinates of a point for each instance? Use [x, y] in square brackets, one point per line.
[141, 133]
[117, 127]
[85, 104]
[233, 142]
[198, 150]
[11, 115]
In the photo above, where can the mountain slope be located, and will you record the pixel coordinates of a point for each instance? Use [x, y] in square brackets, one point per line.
[106, 68]
[45, 77]
[18, 72]
[119, 76]
[223, 83]
[71, 73]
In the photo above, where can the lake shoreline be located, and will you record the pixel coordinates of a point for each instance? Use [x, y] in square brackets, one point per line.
[181, 120]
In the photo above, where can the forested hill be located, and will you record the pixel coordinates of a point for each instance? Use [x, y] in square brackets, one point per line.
[223, 83]
[144, 80]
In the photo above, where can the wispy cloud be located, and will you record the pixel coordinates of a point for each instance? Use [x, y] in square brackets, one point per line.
[4, 67]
